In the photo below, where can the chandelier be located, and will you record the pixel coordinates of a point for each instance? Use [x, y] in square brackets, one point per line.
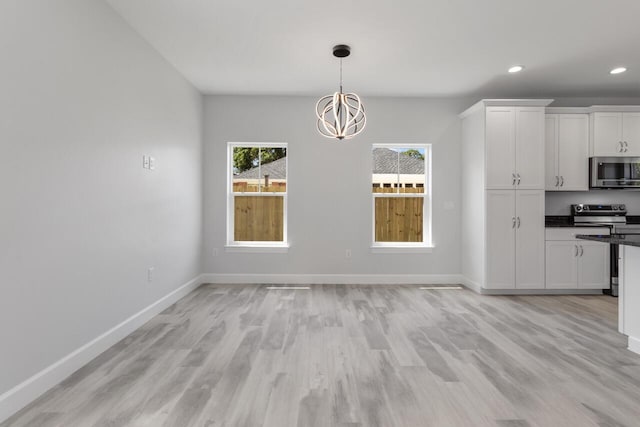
[340, 115]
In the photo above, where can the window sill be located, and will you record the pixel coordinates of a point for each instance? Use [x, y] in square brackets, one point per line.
[258, 249]
[399, 249]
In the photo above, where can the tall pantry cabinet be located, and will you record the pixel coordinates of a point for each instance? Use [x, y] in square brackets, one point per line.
[503, 181]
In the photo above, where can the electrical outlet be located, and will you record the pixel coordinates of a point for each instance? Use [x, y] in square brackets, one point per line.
[150, 274]
[347, 253]
[145, 162]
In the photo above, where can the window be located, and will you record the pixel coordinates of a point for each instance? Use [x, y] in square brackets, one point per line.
[401, 186]
[257, 194]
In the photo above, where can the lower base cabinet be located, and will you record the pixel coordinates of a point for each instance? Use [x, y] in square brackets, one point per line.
[576, 264]
[515, 239]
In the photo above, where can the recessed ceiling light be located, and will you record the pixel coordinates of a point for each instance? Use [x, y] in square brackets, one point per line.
[618, 70]
[516, 69]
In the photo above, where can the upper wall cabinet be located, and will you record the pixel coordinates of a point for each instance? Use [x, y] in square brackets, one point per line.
[515, 148]
[567, 152]
[616, 134]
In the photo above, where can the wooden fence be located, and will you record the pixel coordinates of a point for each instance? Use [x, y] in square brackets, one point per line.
[401, 190]
[258, 218]
[261, 218]
[398, 219]
[272, 187]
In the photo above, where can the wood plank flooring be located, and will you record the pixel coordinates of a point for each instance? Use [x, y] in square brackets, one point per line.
[358, 356]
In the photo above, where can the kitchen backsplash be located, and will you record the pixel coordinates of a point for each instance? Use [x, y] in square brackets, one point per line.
[558, 203]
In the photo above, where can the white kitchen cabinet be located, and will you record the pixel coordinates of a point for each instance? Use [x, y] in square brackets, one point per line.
[576, 264]
[529, 166]
[501, 239]
[631, 134]
[616, 134]
[515, 239]
[593, 265]
[561, 265]
[501, 148]
[529, 211]
[515, 148]
[567, 152]
[503, 181]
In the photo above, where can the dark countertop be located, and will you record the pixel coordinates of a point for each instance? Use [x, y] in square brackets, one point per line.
[614, 239]
[567, 221]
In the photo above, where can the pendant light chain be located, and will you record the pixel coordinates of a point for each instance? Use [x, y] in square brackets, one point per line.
[340, 75]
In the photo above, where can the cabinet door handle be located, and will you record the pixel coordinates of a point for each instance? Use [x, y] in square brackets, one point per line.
[518, 178]
[576, 248]
[581, 250]
[557, 181]
[561, 181]
[621, 146]
[518, 222]
[626, 146]
[513, 179]
[513, 222]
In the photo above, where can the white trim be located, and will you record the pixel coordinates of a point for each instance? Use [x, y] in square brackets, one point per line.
[32, 388]
[567, 110]
[397, 144]
[541, 291]
[471, 285]
[477, 288]
[614, 109]
[254, 248]
[231, 195]
[634, 345]
[249, 144]
[427, 202]
[324, 279]
[399, 249]
[504, 103]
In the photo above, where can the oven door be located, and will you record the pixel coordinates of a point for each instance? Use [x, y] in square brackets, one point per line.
[615, 172]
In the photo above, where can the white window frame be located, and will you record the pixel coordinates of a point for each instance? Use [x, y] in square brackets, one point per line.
[254, 246]
[410, 247]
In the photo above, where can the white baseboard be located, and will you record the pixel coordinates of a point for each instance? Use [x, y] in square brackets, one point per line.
[338, 279]
[471, 285]
[634, 344]
[27, 391]
[541, 292]
[477, 288]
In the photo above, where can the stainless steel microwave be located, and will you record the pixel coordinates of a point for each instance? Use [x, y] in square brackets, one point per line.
[615, 172]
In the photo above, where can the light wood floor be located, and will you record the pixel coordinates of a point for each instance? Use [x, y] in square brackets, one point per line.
[241, 355]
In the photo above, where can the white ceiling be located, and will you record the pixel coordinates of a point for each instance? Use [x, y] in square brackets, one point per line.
[399, 48]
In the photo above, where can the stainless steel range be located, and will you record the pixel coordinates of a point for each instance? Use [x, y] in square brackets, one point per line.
[599, 214]
[613, 216]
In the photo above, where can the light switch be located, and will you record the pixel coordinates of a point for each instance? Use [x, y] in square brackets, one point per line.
[145, 162]
[152, 163]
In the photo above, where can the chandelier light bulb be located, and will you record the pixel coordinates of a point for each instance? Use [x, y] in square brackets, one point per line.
[341, 115]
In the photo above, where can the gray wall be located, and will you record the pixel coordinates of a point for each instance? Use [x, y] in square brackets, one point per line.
[83, 98]
[329, 184]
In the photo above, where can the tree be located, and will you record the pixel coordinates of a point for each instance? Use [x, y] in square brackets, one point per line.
[248, 157]
[414, 154]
